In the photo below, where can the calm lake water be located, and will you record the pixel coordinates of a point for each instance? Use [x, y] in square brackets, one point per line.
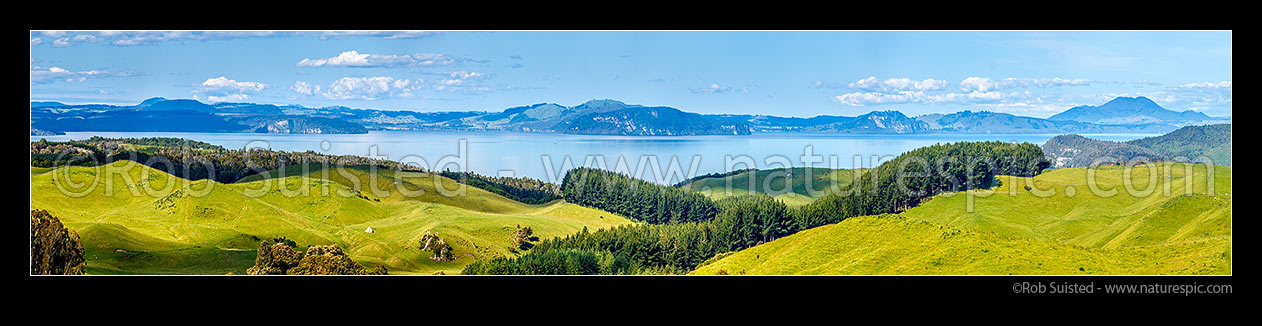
[547, 156]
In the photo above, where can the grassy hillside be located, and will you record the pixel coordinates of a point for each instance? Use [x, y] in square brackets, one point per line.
[1012, 231]
[786, 184]
[163, 229]
[1089, 219]
[893, 244]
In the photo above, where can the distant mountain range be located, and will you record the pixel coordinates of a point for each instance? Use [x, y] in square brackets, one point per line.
[1190, 143]
[596, 117]
[1130, 110]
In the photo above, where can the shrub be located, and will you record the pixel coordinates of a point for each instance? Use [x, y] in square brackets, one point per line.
[439, 249]
[281, 259]
[55, 250]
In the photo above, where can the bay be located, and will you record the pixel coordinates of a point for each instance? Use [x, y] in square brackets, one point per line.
[546, 156]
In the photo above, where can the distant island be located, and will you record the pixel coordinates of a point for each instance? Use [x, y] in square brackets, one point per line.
[596, 117]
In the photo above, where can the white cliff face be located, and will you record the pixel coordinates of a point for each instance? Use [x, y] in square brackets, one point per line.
[879, 121]
[1062, 161]
[279, 127]
[285, 127]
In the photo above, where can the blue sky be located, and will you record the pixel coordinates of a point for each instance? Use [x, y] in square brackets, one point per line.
[786, 73]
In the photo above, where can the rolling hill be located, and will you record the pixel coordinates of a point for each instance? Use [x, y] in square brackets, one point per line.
[789, 185]
[1012, 230]
[867, 245]
[138, 220]
[1192, 142]
[1088, 219]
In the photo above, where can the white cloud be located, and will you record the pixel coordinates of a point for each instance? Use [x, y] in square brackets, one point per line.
[1222, 84]
[222, 89]
[467, 75]
[470, 83]
[1211, 97]
[304, 88]
[47, 75]
[132, 38]
[364, 88]
[128, 38]
[353, 58]
[986, 84]
[36, 41]
[459, 78]
[894, 85]
[870, 98]
[86, 38]
[1041, 110]
[865, 98]
[374, 88]
[229, 98]
[224, 83]
[978, 84]
[970, 97]
[715, 88]
[383, 34]
[142, 38]
[973, 90]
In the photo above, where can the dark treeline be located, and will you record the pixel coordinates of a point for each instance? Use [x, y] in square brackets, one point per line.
[151, 144]
[636, 199]
[712, 175]
[747, 221]
[524, 190]
[187, 159]
[656, 248]
[917, 175]
[555, 262]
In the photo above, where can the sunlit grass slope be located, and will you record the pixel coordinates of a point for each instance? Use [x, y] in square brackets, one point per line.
[1014, 230]
[1112, 217]
[892, 244]
[789, 185]
[203, 227]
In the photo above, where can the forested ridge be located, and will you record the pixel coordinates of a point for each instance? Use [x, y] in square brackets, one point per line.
[188, 159]
[917, 175]
[636, 199]
[1192, 143]
[526, 190]
[746, 221]
[713, 175]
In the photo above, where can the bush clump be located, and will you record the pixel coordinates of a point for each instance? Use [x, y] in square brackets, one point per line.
[439, 249]
[523, 237]
[55, 250]
[279, 258]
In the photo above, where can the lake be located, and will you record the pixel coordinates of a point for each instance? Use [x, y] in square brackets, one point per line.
[546, 156]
